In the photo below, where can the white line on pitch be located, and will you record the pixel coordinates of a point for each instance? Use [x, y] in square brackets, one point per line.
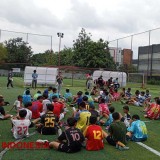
[149, 148]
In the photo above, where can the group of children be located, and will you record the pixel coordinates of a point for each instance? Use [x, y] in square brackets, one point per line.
[46, 111]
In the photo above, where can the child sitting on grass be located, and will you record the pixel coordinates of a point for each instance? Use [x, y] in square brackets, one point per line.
[94, 135]
[20, 126]
[68, 95]
[127, 117]
[3, 114]
[17, 104]
[117, 133]
[137, 131]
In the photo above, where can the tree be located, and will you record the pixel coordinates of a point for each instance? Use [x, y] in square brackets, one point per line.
[3, 53]
[88, 53]
[44, 59]
[18, 51]
[66, 57]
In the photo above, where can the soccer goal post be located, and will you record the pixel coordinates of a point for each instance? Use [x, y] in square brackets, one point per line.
[140, 78]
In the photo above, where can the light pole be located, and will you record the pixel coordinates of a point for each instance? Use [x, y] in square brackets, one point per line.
[60, 35]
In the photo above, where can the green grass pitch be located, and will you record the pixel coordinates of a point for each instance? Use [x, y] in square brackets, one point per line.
[109, 152]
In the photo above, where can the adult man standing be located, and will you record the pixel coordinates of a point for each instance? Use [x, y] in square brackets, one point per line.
[59, 82]
[34, 79]
[10, 78]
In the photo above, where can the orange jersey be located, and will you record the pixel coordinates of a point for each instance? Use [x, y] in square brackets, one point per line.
[94, 135]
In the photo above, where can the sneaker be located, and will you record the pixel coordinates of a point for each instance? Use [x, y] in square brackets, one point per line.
[123, 148]
[42, 141]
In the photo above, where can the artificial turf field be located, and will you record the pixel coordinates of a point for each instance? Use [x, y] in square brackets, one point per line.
[135, 152]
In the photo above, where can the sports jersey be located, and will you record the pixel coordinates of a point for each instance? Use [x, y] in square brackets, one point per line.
[109, 120]
[147, 96]
[83, 120]
[17, 104]
[79, 100]
[74, 139]
[26, 99]
[45, 102]
[126, 119]
[118, 131]
[103, 107]
[29, 114]
[116, 95]
[94, 135]
[68, 95]
[141, 99]
[58, 108]
[128, 94]
[49, 123]
[94, 113]
[20, 128]
[36, 96]
[36, 109]
[139, 130]
[154, 111]
[53, 94]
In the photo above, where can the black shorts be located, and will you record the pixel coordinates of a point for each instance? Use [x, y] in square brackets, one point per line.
[65, 148]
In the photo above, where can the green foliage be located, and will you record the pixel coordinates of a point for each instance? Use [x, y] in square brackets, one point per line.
[44, 59]
[18, 51]
[88, 53]
[153, 81]
[3, 53]
[66, 56]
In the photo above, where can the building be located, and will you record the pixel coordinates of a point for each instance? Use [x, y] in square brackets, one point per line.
[116, 53]
[127, 55]
[149, 59]
[121, 57]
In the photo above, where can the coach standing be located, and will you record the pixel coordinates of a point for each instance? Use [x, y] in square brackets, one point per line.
[10, 78]
[34, 79]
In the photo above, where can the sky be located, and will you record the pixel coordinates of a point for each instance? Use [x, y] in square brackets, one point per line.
[106, 19]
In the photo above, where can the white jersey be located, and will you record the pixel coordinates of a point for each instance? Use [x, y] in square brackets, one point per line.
[46, 101]
[20, 128]
[29, 114]
[17, 105]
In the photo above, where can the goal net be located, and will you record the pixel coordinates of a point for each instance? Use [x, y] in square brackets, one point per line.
[140, 78]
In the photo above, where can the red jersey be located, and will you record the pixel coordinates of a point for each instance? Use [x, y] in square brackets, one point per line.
[58, 107]
[94, 135]
[103, 107]
[36, 109]
[154, 111]
[116, 95]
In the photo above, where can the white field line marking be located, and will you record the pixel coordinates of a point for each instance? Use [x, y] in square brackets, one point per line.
[149, 148]
[7, 149]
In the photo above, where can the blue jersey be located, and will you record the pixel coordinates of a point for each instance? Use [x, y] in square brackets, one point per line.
[139, 130]
[26, 99]
[109, 120]
[68, 95]
[53, 94]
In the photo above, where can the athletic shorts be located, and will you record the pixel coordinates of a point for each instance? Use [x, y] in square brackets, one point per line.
[65, 148]
[138, 139]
